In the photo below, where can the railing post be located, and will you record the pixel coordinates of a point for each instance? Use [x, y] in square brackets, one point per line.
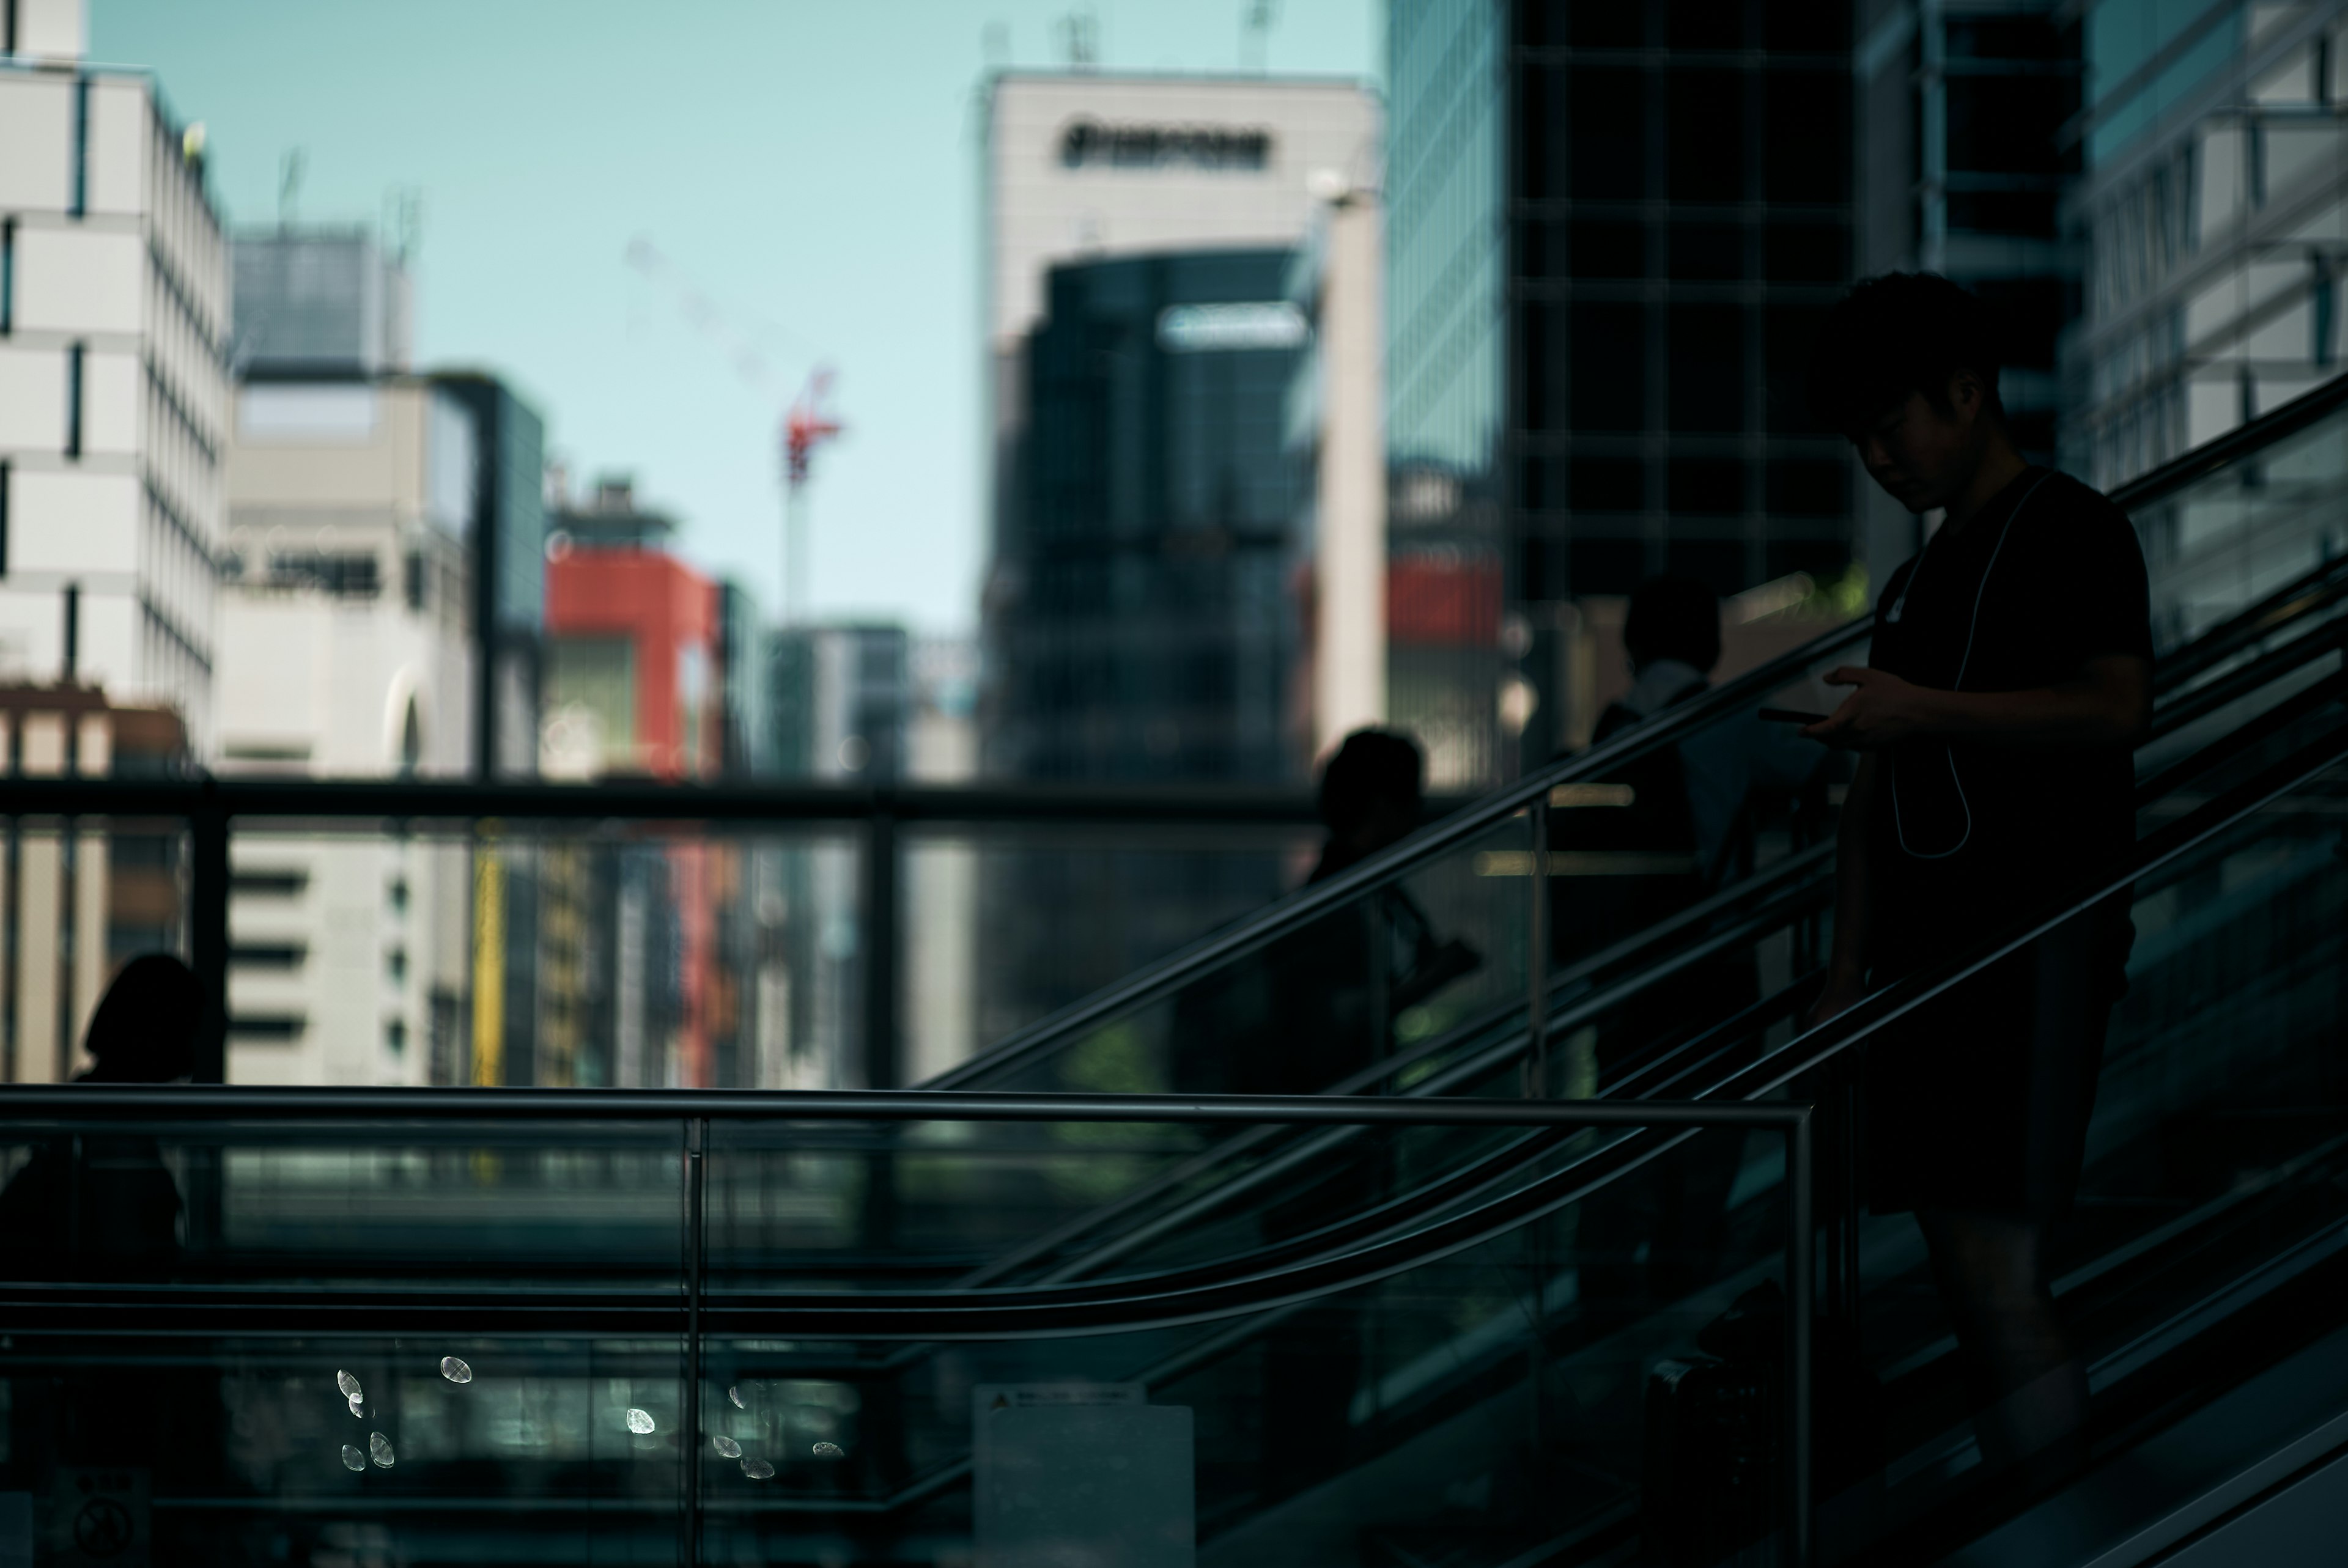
[1801, 1221]
[882, 945]
[208, 933]
[696, 1262]
[1536, 961]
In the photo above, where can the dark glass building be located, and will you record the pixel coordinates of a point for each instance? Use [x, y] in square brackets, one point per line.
[1612, 230]
[1139, 626]
[1970, 142]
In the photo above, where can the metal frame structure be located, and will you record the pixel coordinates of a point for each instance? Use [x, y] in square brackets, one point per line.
[1051, 1312]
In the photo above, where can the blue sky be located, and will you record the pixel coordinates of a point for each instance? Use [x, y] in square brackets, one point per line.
[809, 166]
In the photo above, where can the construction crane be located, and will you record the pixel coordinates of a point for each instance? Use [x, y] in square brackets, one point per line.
[807, 422]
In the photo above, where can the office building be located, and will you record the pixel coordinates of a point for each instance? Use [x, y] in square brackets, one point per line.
[630, 642]
[507, 537]
[1151, 633]
[746, 739]
[333, 304]
[1110, 203]
[114, 390]
[328, 299]
[2213, 205]
[346, 650]
[1967, 145]
[1611, 229]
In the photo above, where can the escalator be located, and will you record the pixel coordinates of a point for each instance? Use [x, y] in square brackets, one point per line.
[1398, 1341]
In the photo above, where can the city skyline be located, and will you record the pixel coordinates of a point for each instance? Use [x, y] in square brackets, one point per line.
[522, 266]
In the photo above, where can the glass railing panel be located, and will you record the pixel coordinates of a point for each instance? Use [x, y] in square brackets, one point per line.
[2216, 1158]
[230, 1449]
[1283, 1433]
[411, 1383]
[623, 954]
[431, 1207]
[2225, 539]
[1003, 926]
[84, 895]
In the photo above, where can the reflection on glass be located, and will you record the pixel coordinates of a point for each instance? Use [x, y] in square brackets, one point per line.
[829, 1451]
[454, 1368]
[352, 1459]
[379, 1450]
[349, 1385]
[757, 1469]
[640, 1422]
[726, 1446]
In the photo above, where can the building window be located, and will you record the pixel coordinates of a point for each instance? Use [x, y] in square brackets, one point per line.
[394, 966]
[267, 1028]
[4, 520]
[395, 1036]
[268, 884]
[267, 955]
[396, 894]
[7, 276]
[2325, 303]
[81, 147]
[74, 358]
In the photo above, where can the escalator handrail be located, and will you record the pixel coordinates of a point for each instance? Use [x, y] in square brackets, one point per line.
[1498, 1057]
[1306, 904]
[1846, 1030]
[1019, 1312]
[1309, 903]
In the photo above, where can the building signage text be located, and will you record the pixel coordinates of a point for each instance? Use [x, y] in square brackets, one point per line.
[1088, 142]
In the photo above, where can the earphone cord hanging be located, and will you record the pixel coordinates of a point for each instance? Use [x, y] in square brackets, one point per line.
[1899, 606]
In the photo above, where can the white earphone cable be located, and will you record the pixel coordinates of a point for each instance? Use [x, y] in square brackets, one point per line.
[1899, 606]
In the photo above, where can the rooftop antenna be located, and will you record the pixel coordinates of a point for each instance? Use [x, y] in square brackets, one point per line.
[1079, 33]
[288, 186]
[1255, 34]
[403, 221]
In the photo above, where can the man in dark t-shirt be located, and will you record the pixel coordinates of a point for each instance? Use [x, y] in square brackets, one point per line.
[2009, 676]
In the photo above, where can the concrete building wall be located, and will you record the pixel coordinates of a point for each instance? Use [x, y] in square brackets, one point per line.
[113, 380]
[345, 651]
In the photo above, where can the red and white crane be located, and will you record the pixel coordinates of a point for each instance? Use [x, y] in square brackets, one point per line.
[807, 424]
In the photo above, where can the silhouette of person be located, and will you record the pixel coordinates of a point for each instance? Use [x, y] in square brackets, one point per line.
[1318, 1005]
[103, 1205]
[1311, 1009]
[2010, 675]
[1684, 829]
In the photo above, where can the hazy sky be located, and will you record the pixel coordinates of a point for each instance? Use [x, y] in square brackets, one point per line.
[809, 166]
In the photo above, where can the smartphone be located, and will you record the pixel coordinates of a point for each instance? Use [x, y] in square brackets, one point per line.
[1791, 716]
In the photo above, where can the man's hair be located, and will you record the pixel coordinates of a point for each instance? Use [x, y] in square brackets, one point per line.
[1898, 334]
[1372, 765]
[1674, 618]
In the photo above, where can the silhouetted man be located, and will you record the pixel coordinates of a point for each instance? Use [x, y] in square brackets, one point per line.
[2010, 674]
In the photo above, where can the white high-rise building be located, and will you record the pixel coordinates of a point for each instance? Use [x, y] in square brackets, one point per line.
[346, 650]
[1091, 164]
[114, 329]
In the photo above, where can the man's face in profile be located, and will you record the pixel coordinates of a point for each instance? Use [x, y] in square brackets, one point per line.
[1922, 452]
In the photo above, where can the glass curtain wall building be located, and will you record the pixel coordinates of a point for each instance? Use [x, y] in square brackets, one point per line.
[1962, 164]
[1613, 229]
[1153, 635]
[1448, 321]
[2214, 204]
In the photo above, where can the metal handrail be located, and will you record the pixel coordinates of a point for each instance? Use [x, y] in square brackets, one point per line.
[1668, 727]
